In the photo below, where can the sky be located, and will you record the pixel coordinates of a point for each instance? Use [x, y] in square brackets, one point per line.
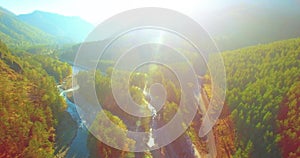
[95, 11]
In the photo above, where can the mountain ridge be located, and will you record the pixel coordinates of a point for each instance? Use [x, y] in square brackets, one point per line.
[73, 28]
[16, 32]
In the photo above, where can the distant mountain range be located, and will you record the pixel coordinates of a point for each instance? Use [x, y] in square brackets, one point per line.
[69, 27]
[41, 28]
[14, 31]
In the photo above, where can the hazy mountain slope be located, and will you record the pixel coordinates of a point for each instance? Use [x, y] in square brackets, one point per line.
[73, 28]
[14, 31]
[250, 23]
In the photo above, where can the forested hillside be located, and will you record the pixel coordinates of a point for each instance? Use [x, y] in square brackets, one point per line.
[259, 79]
[289, 121]
[29, 103]
[260, 117]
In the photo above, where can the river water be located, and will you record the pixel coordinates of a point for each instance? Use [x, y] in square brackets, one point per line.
[78, 147]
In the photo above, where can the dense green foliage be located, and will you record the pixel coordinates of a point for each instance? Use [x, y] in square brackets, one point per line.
[100, 127]
[258, 79]
[53, 67]
[29, 104]
[289, 121]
